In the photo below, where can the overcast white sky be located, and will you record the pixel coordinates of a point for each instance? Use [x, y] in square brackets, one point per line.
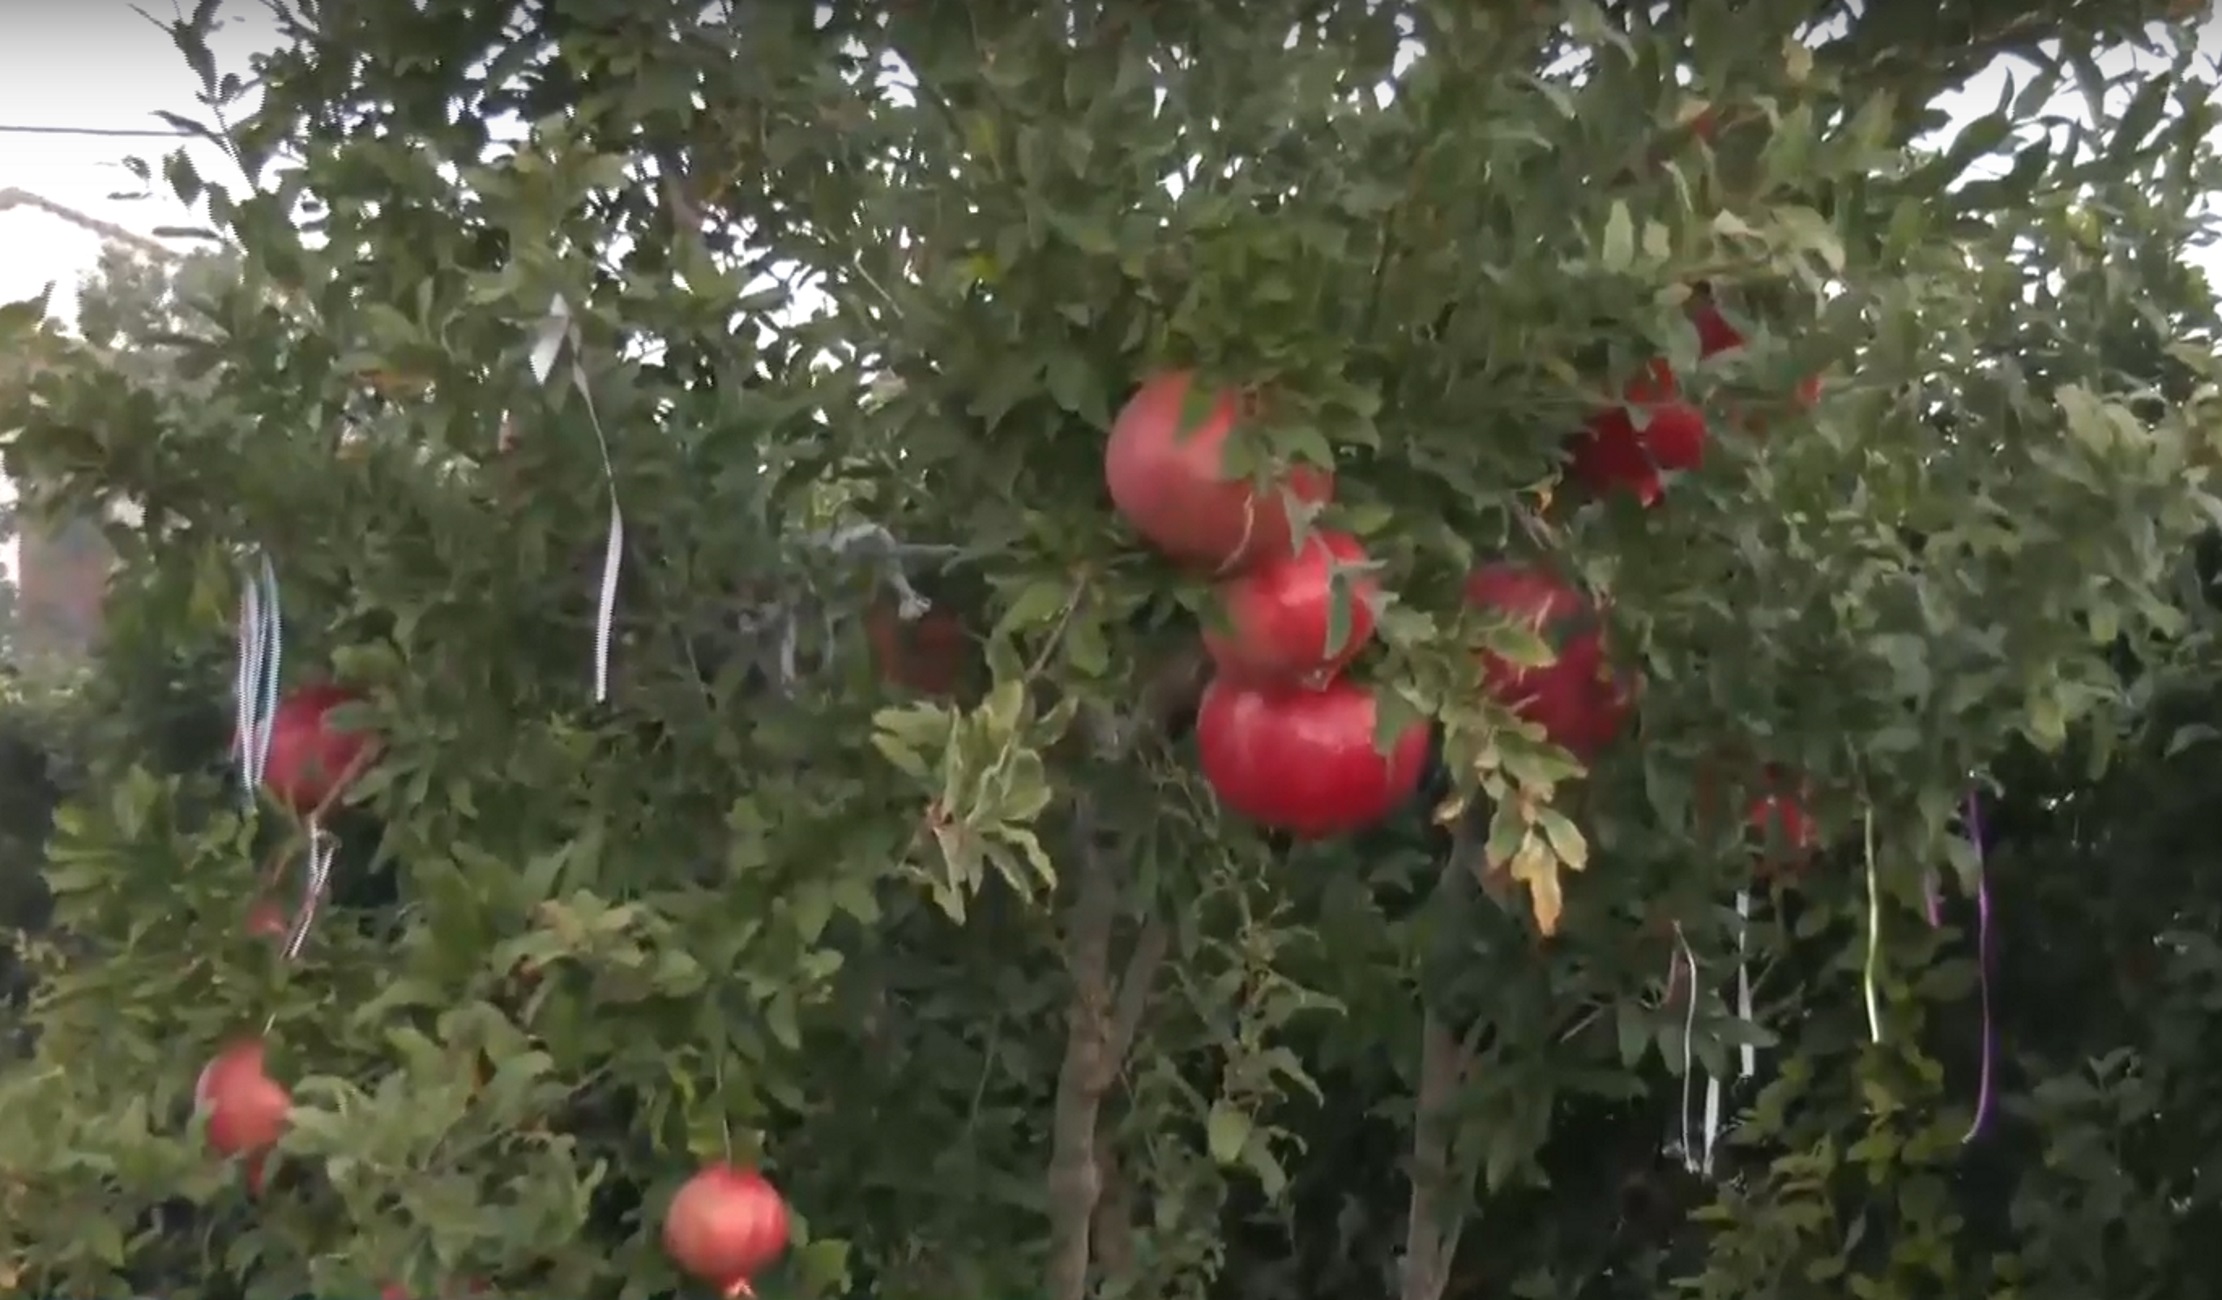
[96, 65]
[100, 66]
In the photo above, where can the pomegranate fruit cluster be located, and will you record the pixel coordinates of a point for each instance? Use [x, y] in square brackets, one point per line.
[1656, 431]
[1282, 736]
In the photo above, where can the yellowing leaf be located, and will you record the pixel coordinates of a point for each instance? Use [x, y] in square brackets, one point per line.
[1537, 867]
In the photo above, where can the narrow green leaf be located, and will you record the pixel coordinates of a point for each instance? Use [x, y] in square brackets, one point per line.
[1617, 250]
[1226, 1133]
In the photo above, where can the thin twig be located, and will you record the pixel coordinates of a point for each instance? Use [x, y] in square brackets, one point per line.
[108, 230]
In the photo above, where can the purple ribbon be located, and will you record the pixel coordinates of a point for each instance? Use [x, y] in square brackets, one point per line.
[1974, 828]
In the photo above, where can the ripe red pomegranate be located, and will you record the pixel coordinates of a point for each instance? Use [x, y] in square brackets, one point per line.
[1611, 452]
[725, 1226]
[1166, 467]
[927, 654]
[1782, 822]
[1577, 700]
[1278, 615]
[1715, 334]
[310, 757]
[1304, 761]
[245, 1107]
[267, 920]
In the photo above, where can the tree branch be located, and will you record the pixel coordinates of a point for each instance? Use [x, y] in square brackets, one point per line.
[1437, 1216]
[13, 197]
[1112, 1236]
[1075, 1181]
[1134, 992]
[1435, 1220]
[1103, 1020]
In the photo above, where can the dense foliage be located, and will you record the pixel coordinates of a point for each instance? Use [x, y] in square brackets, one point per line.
[947, 934]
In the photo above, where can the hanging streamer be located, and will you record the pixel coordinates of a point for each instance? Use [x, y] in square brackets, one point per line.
[548, 344]
[1712, 1122]
[613, 550]
[1868, 972]
[1697, 1149]
[1983, 1087]
[323, 849]
[255, 687]
[1748, 1062]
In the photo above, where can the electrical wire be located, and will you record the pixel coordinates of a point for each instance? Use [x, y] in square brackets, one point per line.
[111, 132]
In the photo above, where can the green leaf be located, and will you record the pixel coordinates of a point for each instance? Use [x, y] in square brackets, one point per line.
[1074, 386]
[1787, 160]
[1507, 832]
[1617, 249]
[2137, 121]
[1973, 140]
[1012, 378]
[1037, 605]
[809, 907]
[1632, 1030]
[779, 1018]
[2047, 719]
[899, 753]
[1272, 1178]
[824, 1264]
[1339, 614]
[1086, 649]
[1226, 1133]
[1393, 716]
[1811, 232]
